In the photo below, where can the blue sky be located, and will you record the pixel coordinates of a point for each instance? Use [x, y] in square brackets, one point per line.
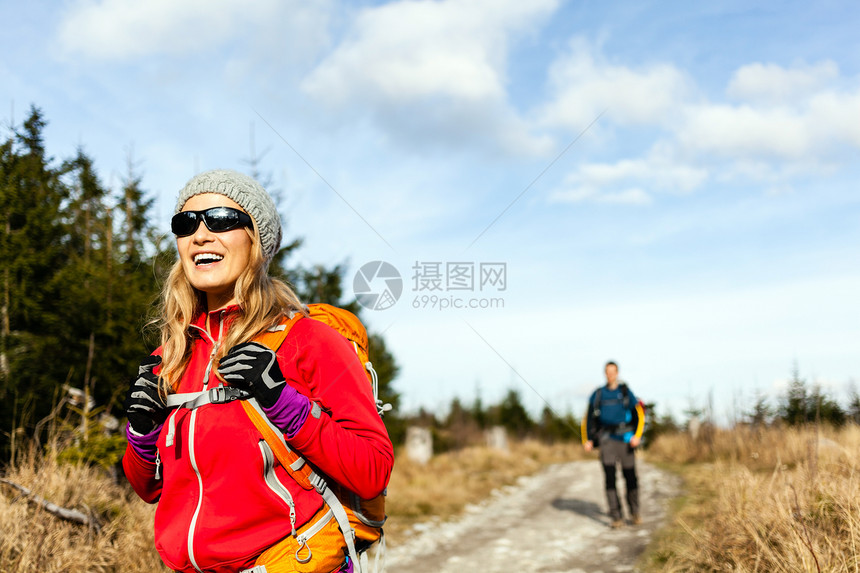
[677, 183]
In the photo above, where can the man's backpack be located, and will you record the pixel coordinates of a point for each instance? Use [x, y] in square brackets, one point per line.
[625, 399]
[595, 413]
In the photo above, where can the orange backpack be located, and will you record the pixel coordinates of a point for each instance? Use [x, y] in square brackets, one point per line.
[360, 520]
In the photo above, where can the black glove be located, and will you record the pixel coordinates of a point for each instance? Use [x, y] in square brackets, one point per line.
[143, 405]
[253, 367]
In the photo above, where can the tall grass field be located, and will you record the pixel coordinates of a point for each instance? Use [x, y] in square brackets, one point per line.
[33, 540]
[769, 500]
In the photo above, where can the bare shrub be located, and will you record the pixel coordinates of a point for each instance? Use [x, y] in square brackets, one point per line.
[33, 540]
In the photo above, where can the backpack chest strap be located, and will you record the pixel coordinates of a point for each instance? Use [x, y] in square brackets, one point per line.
[271, 338]
[218, 395]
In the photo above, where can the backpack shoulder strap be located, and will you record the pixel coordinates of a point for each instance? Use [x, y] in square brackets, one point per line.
[291, 461]
[295, 465]
[273, 337]
[302, 472]
[625, 395]
[598, 395]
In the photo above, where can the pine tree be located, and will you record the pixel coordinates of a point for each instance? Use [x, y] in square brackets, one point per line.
[134, 206]
[135, 284]
[761, 412]
[85, 285]
[822, 408]
[853, 412]
[31, 248]
[73, 296]
[554, 427]
[794, 408]
[512, 414]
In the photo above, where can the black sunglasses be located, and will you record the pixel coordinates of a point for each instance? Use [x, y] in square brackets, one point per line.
[217, 219]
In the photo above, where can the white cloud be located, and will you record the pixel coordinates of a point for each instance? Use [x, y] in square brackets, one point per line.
[770, 83]
[126, 29]
[786, 121]
[622, 182]
[664, 175]
[584, 84]
[632, 196]
[432, 70]
[837, 115]
[741, 131]
[407, 51]
[800, 115]
[806, 131]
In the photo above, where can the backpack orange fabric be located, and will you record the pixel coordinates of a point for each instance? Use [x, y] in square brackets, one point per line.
[366, 517]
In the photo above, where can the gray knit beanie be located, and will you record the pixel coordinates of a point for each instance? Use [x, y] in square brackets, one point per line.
[245, 191]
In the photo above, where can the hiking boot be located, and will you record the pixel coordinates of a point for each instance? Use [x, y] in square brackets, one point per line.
[617, 524]
[636, 519]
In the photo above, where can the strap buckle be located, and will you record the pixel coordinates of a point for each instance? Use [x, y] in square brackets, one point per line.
[223, 394]
[318, 482]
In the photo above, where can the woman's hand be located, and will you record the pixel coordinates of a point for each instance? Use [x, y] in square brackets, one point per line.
[144, 406]
[253, 367]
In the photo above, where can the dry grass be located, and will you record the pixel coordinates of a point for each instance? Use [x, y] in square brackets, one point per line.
[34, 540]
[770, 501]
[453, 480]
[773, 501]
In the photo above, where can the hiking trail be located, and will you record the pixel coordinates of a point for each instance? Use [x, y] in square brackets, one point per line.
[551, 522]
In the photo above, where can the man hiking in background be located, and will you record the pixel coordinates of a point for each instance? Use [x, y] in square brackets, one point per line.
[614, 423]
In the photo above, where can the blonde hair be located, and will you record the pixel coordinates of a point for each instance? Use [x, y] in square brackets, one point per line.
[262, 300]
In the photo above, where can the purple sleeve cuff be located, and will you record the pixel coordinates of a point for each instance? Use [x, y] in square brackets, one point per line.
[144, 445]
[289, 412]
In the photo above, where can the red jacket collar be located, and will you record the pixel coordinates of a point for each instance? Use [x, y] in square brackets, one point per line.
[216, 318]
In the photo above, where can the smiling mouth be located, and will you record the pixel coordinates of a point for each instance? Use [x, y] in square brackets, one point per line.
[204, 259]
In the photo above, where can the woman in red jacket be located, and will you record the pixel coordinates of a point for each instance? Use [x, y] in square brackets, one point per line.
[224, 503]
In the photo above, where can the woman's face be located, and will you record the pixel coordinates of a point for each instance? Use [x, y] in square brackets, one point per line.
[215, 275]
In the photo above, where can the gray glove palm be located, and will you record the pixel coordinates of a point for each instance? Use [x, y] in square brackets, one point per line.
[143, 405]
[253, 367]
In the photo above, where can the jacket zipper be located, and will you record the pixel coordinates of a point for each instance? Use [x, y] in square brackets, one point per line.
[192, 458]
[271, 479]
[200, 487]
[275, 484]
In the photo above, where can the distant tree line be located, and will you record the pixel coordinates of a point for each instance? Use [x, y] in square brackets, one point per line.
[800, 404]
[80, 270]
[804, 403]
[465, 424]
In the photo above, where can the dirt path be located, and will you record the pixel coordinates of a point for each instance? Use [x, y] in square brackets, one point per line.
[554, 521]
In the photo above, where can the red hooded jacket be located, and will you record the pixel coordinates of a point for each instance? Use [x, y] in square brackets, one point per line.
[215, 511]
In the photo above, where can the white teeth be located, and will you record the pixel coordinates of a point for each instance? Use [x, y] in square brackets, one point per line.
[207, 258]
